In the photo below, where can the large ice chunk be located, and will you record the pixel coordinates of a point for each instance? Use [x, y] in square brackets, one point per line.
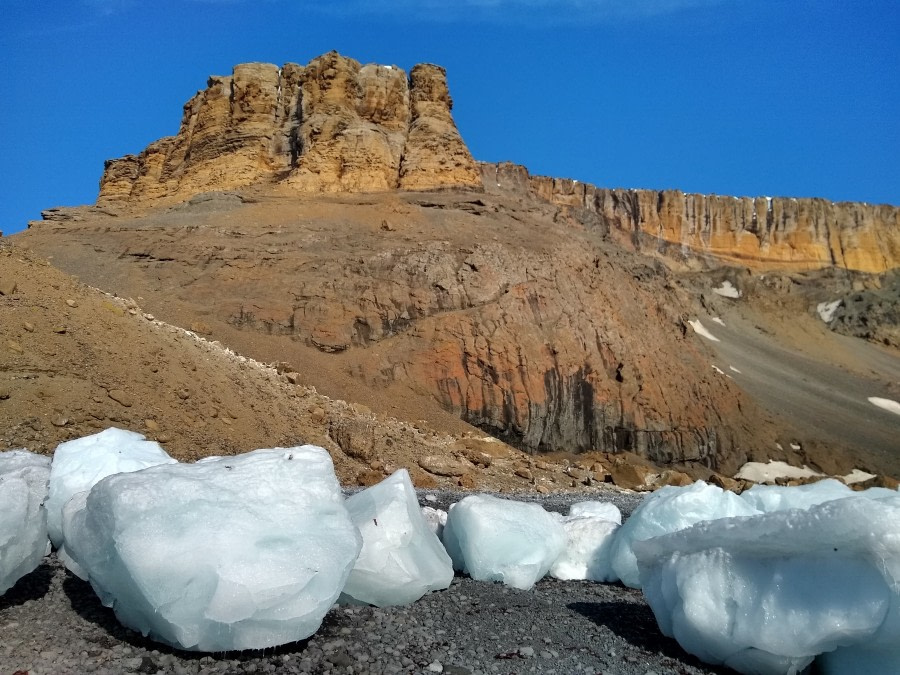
[401, 558]
[670, 509]
[495, 539]
[79, 464]
[588, 545]
[605, 510]
[769, 498]
[766, 594]
[239, 552]
[23, 518]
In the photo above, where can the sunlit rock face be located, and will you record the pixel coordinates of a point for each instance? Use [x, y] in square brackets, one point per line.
[333, 125]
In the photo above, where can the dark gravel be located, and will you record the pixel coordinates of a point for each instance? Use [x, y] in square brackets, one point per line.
[52, 623]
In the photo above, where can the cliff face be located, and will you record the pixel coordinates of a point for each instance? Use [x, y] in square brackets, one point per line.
[330, 126]
[760, 232]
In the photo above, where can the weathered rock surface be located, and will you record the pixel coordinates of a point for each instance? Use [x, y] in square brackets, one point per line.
[333, 125]
[759, 232]
[533, 328]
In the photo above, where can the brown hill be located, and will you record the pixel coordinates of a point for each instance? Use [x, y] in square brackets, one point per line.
[551, 314]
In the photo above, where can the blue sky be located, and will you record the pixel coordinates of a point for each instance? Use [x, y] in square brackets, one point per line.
[740, 97]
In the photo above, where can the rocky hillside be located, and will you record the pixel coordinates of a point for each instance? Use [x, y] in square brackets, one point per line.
[330, 217]
[330, 126]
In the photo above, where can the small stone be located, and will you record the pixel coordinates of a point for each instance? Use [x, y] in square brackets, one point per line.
[543, 489]
[368, 478]
[542, 465]
[28, 326]
[435, 667]
[522, 472]
[317, 415]
[59, 421]
[60, 329]
[183, 394]
[200, 328]
[468, 481]
[151, 425]
[526, 652]
[163, 438]
[443, 466]
[149, 317]
[293, 378]
[71, 303]
[4, 394]
[14, 346]
[7, 286]
[121, 397]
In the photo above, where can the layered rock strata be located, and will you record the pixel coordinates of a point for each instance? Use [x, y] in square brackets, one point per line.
[333, 125]
[761, 232]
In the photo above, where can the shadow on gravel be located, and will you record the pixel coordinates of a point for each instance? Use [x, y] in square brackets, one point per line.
[636, 624]
[87, 605]
[33, 586]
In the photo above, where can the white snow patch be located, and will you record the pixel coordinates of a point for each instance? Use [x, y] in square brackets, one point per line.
[718, 321]
[23, 518]
[727, 290]
[701, 331]
[732, 368]
[885, 404]
[826, 310]
[857, 476]
[757, 472]
[795, 446]
[718, 370]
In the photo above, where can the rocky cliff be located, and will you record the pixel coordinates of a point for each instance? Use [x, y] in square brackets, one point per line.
[761, 232]
[333, 125]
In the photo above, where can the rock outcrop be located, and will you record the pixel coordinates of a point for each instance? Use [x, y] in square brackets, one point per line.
[333, 125]
[761, 232]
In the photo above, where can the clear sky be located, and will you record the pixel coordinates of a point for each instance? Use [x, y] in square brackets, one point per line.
[739, 97]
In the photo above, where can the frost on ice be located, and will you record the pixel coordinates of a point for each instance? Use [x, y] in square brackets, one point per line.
[605, 510]
[588, 544]
[23, 519]
[436, 519]
[233, 553]
[495, 539]
[589, 527]
[670, 509]
[401, 558]
[79, 464]
[766, 594]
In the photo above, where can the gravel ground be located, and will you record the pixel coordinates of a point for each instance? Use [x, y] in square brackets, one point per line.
[51, 623]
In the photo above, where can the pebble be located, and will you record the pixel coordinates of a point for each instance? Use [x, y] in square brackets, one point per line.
[121, 397]
[28, 326]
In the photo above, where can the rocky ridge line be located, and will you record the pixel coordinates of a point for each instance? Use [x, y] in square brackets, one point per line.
[760, 232]
[333, 125]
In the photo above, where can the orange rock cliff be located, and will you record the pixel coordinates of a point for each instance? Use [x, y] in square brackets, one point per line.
[330, 126]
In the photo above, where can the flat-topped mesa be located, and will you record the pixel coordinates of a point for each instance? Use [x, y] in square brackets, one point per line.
[761, 232]
[333, 125]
